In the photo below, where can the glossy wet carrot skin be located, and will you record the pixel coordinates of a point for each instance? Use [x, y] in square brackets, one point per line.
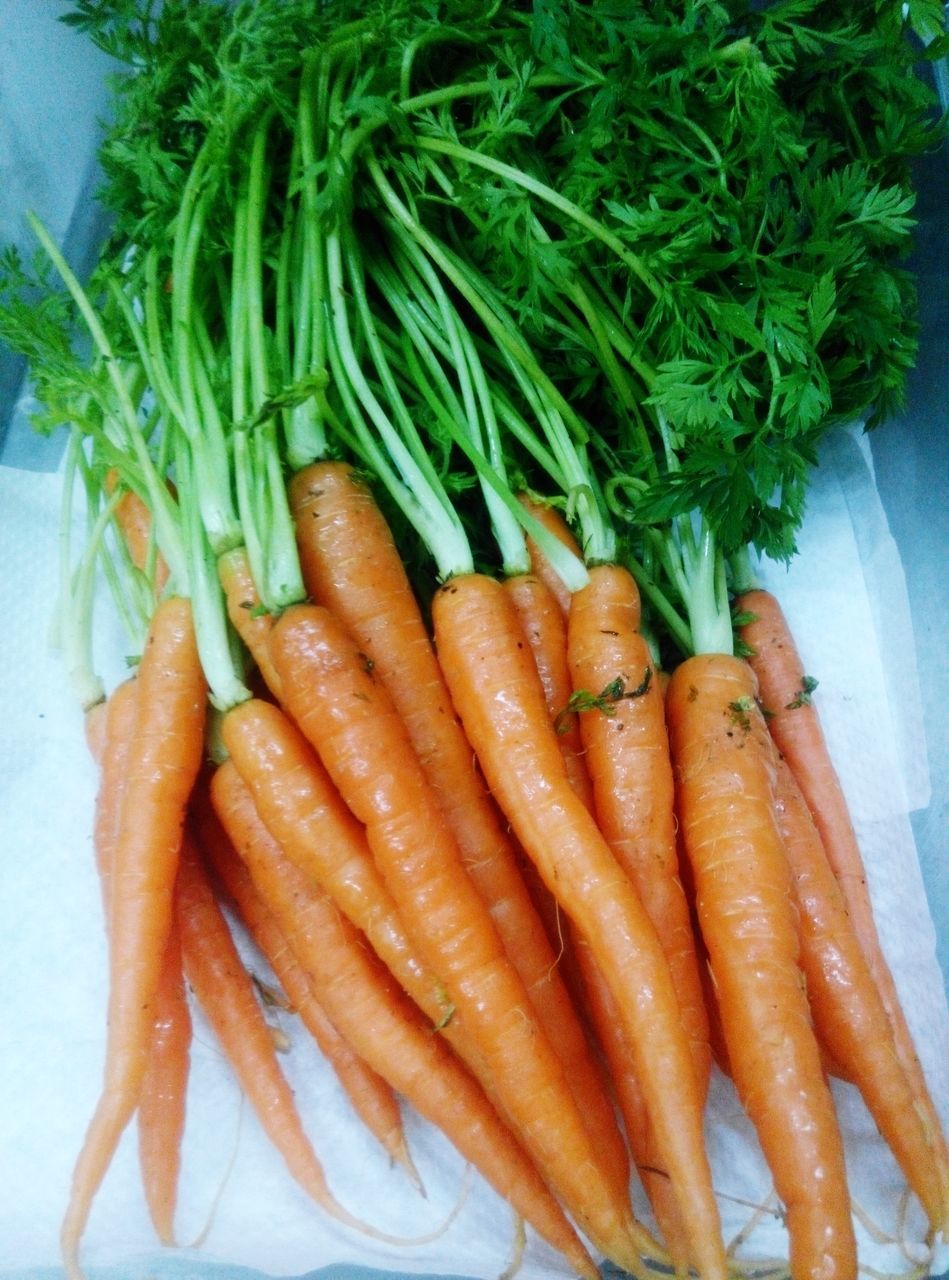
[365, 747]
[496, 688]
[795, 726]
[351, 564]
[165, 755]
[744, 899]
[382, 1024]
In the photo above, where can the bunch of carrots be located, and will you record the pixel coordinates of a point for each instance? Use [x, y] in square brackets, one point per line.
[533, 841]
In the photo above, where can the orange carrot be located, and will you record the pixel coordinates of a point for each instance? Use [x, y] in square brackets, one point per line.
[225, 992]
[366, 749]
[544, 626]
[165, 755]
[795, 726]
[351, 564]
[305, 814]
[161, 1110]
[627, 756]
[501, 702]
[383, 1026]
[724, 779]
[162, 1103]
[849, 1014]
[553, 521]
[135, 522]
[371, 1098]
[244, 609]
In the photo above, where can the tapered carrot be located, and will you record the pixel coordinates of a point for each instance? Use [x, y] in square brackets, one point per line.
[351, 564]
[225, 992]
[163, 1099]
[627, 757]
[849, 1015]
[383, 1026]
[372, 1099]
[546, 630]
[366, 749]
[165, 755]
[795, 726]
[554, 522]
[724, 780]
[162, 1102]
[501, 702]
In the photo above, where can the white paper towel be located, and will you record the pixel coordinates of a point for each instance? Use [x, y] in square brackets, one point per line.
[845, 596]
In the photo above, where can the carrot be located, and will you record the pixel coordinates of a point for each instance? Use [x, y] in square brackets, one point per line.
[351, 564]
[849, 1014]
[305, 814]
[795, 726]
[165, 755]
[251, 622]
[724, 781]
[161, 1110]
[627, 756]
[371, 1098]
[544, 626]
[162, 1103]
[501, 702]
[366, 749]
[552, 520]
[382, 1025]
[135, 523]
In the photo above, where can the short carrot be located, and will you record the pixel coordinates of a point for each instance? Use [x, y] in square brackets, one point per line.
[501, 702]
[135, 522]
[383, 1026]
[165, 755]
[351, 564]
[849, 1015]
[366, 749]
[724, 782]
[794, 724]
[544, 626]
[554, 522]
[249, 620]
[372, 1099]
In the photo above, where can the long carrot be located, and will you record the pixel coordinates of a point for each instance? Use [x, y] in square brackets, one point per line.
[382, 1025]
[795, 726]
[849, 1015]
[351, 564]
[372, 1099]
[366, 749]
[162, 1103]
[225, 992]
[502, 706]
[725, 803]
[165, 755]
[627, 756]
